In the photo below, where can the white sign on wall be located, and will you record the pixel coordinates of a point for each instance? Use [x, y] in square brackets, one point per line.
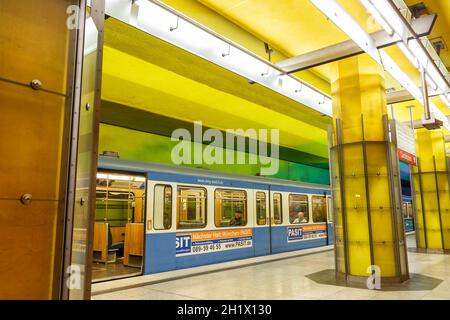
[406, 145]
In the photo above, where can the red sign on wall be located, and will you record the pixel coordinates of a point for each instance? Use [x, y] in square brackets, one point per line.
[407, 157]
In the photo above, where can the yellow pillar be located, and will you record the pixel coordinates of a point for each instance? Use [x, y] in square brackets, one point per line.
[365, 178]
[431, 191]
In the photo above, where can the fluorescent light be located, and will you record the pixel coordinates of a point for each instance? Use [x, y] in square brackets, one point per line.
[390, 19]
[395, 71]
[119, 177]
[445, 99]
[342, 19]
[415, 47]
[377, 16]
[164, 24]
[336, 13]
[385, 10]
[431, 83]
[439, 115]
[434, 75]
[408, 54]
[348, 25]
[90, 37]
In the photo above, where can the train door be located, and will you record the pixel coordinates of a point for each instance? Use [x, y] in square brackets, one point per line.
[118, 247]
[330, 225]
[275, 217]
[262, 222]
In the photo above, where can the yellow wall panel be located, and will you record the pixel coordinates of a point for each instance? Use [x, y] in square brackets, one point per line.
[431, 183]
[32, 121]
[34, 41]
[26, 238]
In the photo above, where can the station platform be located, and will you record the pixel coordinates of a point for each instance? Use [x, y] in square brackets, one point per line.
[307, 274]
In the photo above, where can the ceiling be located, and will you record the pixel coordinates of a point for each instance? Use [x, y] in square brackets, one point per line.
[145, 73]
[172, 82]
[295, 27]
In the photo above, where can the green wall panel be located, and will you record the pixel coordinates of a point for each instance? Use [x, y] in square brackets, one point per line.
[143, 146]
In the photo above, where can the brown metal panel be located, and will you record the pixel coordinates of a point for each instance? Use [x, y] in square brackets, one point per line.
[34, 41]
[26, 237]
[36, 44]
[32, 128]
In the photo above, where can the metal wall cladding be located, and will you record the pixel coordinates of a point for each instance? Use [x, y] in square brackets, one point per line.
[35, 40]
[432, 188]
[32, 127]
[36, 44]
[26, 243]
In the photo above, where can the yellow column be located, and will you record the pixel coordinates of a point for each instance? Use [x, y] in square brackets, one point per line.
[431, 191]
[365, 181]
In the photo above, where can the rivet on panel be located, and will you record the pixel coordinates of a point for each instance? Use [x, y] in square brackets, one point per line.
[26, 199]
[36, 84]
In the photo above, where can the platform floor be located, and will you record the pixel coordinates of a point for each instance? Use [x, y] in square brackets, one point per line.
[304, 277]
[102, 271]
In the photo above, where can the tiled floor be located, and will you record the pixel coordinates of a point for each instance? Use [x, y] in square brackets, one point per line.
[288, 279]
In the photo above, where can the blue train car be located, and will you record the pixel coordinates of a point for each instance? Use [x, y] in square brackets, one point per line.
[194, 217]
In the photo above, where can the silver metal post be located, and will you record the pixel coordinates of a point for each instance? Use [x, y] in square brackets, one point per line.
[426, 102]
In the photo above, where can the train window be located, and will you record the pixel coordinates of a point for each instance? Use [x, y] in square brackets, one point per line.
[277, 209]
[405, 209]
[319, 208]
[410, 210]
[191, 208]
[298, 209]
[231, 208]
[114, 207]
[162, 212]
[261, 210]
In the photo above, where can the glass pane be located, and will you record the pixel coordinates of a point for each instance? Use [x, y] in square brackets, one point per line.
[230, 208]
[261, 210]
[191, 208]
[298, 209]
[405, 210]
[319, 209]
[162, 207]
[114, 207]
[118, 227]
[277, 209]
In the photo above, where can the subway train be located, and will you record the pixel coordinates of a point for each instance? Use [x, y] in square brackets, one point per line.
[152, 218]
[408, 213]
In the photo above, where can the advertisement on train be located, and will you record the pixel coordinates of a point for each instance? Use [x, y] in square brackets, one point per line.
[306, 232]
[213, 241]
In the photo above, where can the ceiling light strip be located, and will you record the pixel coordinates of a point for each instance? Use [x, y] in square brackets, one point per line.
[342, 19]
[167, 24]
[414, 49]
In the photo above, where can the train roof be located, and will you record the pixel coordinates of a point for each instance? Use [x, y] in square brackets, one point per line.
[119, 164]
